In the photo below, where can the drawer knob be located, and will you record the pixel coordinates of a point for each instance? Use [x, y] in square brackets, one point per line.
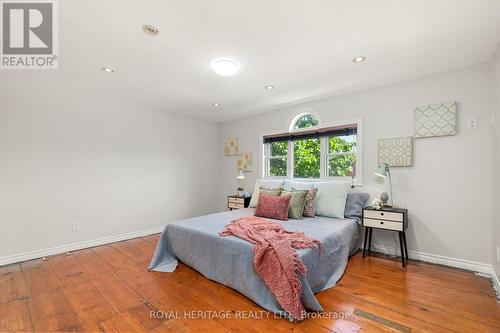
[382, 214]
[381, 222]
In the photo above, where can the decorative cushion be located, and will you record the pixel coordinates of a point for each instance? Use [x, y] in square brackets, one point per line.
[310, 203]
[297, 202]
[292, 185]
[331, 198]
[270, 190]
[266, 183]
[273, 207]
[355, 203]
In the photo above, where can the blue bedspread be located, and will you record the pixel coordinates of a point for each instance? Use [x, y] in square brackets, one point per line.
[229, 260]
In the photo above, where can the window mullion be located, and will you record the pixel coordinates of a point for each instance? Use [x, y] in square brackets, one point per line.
[323, 165]
[290, 160]
[266, 159]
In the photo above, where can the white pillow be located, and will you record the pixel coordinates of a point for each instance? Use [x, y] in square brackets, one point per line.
[289, 184]
[331, 198]
[266, 183]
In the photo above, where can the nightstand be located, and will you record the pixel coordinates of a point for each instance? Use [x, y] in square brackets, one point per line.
[237, 202]
[392, 219]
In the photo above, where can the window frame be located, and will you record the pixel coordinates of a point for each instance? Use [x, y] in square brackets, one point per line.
[324, 175]
[267, 160]
[328, 154]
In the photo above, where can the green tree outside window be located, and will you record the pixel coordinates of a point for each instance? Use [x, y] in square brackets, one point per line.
[278, 152]
[342, 156]
[307, 158]
[306, 121]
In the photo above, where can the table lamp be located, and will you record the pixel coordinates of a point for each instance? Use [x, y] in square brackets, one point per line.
[384, 172]
[240, 178]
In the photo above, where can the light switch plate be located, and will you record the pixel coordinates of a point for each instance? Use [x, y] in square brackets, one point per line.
[75, 226]
[472, 123]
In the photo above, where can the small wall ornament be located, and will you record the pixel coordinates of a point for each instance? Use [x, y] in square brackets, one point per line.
[231, 147]
[244, 162]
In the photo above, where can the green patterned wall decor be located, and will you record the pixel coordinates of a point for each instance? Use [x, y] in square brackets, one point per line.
[396, 152]
[436, 120]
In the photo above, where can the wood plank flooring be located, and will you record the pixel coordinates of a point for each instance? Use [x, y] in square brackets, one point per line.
[108, 289]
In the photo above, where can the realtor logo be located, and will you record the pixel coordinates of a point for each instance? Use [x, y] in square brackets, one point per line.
[29, 39]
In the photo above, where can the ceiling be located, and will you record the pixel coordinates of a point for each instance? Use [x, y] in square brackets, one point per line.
[303, 48]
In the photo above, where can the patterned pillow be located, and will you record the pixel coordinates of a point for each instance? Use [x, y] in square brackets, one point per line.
[273, 207]
[310, 205]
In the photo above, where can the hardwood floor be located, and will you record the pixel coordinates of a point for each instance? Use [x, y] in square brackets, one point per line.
[108, 289]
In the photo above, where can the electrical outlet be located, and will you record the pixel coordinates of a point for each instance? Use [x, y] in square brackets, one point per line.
[472, 123]
[75, 226]
[498, 254]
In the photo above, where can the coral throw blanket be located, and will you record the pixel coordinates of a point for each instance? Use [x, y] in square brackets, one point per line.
[275, 258]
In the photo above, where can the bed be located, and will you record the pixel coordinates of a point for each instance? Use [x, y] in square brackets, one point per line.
[229, 260]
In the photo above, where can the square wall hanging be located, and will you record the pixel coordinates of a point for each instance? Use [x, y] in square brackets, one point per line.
[436, 120]
[244, 162]
[231, 146]
[396, 152]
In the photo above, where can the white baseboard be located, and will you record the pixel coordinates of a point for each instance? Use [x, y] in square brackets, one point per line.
[437, 259]
[496, 284]
[484, 269]
[77, 246]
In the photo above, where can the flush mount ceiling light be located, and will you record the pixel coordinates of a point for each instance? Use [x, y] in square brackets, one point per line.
[358, 59]
[269, 87]
[225, 67]
[108, 69]
[150, 29]
[216, 105]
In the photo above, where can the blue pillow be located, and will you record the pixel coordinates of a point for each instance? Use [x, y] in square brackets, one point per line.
[354, 204]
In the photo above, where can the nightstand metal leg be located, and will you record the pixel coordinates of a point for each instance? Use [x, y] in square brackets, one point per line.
[406, 246]
[370, 240]
[401, 245]
[364, 243]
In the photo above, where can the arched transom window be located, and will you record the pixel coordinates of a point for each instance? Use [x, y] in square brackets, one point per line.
[305, 120]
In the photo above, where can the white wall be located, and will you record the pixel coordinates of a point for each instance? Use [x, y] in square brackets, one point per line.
[68, 154]
[496, 159]
[448, 190]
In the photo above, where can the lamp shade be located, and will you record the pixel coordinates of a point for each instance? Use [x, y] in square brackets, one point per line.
[240, 175]
[382, 170]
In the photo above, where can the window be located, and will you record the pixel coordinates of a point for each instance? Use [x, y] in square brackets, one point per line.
[307, 158]
[278, 159]
[308, 151]
[341, 157]
[305, 121]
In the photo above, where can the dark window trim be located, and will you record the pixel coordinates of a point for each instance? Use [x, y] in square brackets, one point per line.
[350, 129]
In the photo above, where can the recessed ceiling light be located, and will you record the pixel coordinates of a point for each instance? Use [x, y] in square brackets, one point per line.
[358, 59]
[150, 29]
[269, 87]
[216, 104]
[225, 67]
[108, 70]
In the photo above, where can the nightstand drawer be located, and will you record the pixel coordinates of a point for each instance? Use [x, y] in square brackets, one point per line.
[383, 215]
[235, 205]
[237, 200]
[382, 224]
